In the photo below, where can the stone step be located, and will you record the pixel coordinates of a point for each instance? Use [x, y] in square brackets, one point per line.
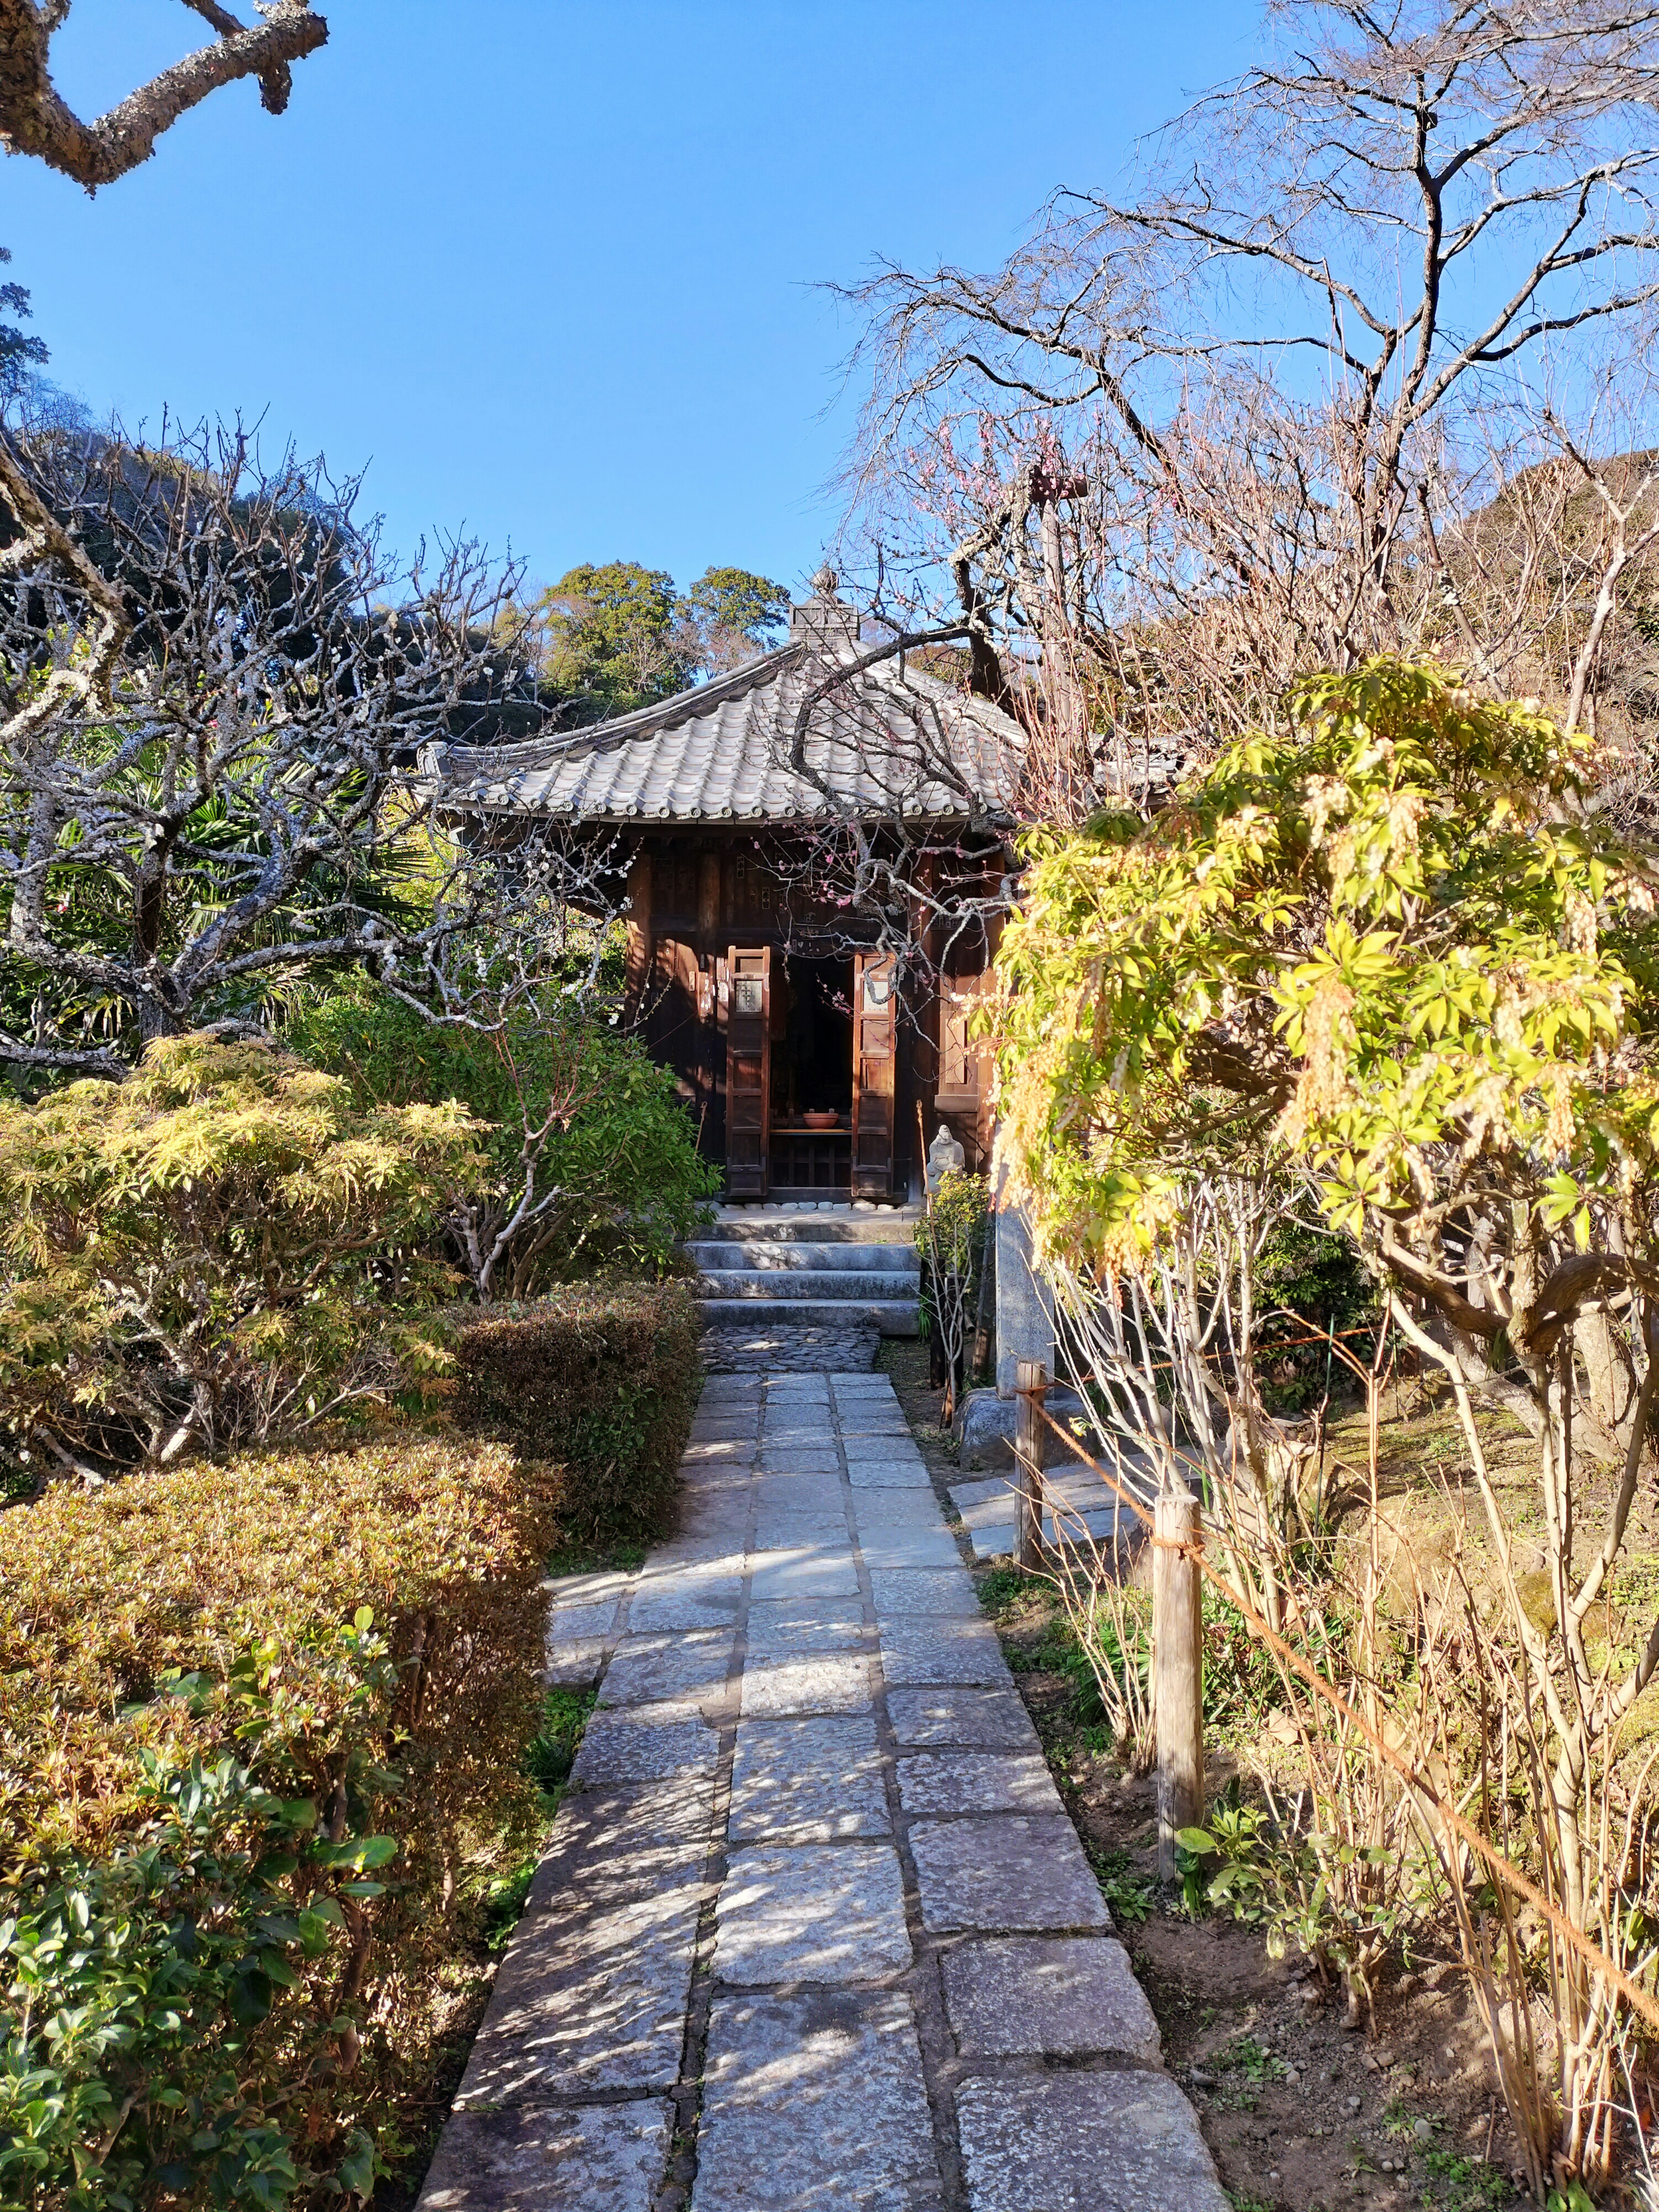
[892, 1316]
[808, 1283]
[780, 1256]
[809, 1226]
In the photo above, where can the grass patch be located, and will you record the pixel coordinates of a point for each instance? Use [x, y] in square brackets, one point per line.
[1467, 2184]
[1251, 2068]
[547, 1758]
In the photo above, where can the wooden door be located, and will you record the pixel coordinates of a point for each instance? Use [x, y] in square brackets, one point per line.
[875, 1037]
[748, 1070]
[964, 1059]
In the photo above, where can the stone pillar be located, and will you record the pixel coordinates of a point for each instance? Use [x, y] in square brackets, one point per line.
[1025, 1321]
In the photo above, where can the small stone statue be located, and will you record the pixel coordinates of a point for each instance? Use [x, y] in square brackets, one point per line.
[945, 1157]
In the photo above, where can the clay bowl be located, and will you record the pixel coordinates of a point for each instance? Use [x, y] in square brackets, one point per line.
[820, 1121]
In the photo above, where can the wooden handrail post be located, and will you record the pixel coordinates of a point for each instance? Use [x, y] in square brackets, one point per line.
[1030, 1433]
[1177, 1672]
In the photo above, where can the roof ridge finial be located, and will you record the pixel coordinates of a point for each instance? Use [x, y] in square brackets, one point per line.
[824, 582]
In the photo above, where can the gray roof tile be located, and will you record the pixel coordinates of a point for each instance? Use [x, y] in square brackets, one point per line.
[887, 740]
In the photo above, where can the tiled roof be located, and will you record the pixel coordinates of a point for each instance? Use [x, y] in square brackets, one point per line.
[886, 739]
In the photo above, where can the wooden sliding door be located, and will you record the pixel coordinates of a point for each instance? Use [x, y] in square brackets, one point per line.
[748, 1070]
[875, 1038]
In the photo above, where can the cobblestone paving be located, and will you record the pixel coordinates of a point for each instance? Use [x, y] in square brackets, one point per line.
[813, 1933]
[789, 1347]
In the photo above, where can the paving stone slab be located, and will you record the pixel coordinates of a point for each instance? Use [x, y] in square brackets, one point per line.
[804, 1571]
[685, 1667]
[816, 1781]
[977, 1782]
[797, 1625]
[592, 1991]
[1085, 2142]
[797, 1459]
[957, 1714]
[586, 1589]
[798, 1493]
[1013, 1871]
[941, 1648]
[819, 1683]
[725, 1517]
[925, 1589]
[895, 1447]
[908, 1506]
[1047, 1996]
[662, 1606]
[714, 1555]
[604, 2158]
[742, 1428]
[889, 1475]
[574, 1666]
[812, 1912]
[781, 1529]
[794, 1433]
[708, 1452]
[815, 2104]
[653, 1826]
[698, 1483]
[582, 1624]
[650, 1745]
[909, 1547]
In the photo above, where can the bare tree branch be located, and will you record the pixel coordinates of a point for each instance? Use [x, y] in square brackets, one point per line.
[35, 119]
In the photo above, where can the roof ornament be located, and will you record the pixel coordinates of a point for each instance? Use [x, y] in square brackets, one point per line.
[824, 623]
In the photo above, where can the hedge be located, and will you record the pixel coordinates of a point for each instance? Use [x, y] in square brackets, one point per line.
[603, 1381]
[261, 1727]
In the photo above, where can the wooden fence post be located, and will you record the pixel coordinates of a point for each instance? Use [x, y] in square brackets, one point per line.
[1030, 1431]
[1178, 1673]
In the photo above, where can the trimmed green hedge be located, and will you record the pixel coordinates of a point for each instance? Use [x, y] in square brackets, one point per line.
[262, 1730]
[603, 1382]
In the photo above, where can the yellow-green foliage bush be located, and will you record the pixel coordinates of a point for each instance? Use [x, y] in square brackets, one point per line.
[603, 1381]
[254, 1723]
[210, 1253]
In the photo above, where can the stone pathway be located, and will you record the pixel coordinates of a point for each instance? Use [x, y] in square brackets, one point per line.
[813, 1933]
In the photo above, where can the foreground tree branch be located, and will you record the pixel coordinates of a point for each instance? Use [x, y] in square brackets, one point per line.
[34, 119]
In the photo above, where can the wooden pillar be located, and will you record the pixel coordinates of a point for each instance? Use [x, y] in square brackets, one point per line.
[1030, 1433]
[637, 962]
[1177, 1673]
[708, 904]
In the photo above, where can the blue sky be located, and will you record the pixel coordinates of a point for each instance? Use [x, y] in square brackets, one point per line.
[548, 269]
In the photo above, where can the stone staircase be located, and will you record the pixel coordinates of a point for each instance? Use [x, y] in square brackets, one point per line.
[824, 1267]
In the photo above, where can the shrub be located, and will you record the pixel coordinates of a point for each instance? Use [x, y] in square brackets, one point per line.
[950, 1239]
[589, 1157]
[201, 1255]
[603, 1381]
[251, 1730]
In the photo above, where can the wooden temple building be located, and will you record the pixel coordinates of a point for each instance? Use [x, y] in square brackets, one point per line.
[813, 846]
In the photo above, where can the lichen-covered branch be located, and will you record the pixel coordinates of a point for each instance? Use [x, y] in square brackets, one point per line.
[36, 119]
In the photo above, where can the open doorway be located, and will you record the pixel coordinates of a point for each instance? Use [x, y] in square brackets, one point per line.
[811, 1077]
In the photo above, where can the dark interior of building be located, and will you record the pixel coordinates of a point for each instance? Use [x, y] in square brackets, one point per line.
[812, 1067]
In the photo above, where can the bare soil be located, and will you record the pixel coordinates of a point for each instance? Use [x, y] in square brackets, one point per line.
[1302, 2112]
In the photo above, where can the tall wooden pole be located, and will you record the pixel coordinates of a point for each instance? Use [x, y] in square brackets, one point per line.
[1178, 1673]
[1032, 1380]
